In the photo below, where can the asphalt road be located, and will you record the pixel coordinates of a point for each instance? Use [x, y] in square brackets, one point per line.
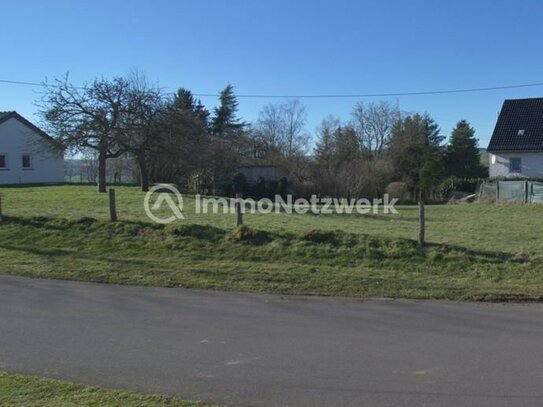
[263, 350]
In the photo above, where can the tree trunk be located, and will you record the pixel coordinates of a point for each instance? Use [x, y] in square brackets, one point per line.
[101, 171]
[144, 173]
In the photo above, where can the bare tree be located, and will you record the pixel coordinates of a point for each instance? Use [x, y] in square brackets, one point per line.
[279, 137]
[142, 134]
[268, 134]
[295, 117]
[89, 166]
[280, 128]
[90, 117]
[373, 123]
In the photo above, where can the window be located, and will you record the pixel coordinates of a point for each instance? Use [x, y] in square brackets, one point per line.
[515, 165]
[27, 161]
[3, 161]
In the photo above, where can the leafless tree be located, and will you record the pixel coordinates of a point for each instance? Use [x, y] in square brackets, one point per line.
[88, 117]
[142, 134]
[295, 117]
[373, 123]
[280, 128]
[89, 165]
[270, 128]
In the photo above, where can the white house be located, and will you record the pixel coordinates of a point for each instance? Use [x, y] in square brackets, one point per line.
[516, 147]
[27, 154]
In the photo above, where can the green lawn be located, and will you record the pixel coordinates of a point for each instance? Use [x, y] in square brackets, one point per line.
[28, 391]
[476, 251]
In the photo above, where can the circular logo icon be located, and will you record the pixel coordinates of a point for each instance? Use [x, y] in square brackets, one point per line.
[165, 193]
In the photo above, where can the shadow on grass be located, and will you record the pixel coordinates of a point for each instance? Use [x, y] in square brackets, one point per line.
[363, 246]
[492, 256]
[35, 221]
[57, 252]
[57, 223]
[201, 232]
[368, 216]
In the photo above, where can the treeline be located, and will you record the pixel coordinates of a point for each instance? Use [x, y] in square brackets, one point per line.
[169, 138]
[382, 150]
[175, 138]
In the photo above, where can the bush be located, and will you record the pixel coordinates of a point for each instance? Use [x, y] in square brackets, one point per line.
[303, 189]
[260, 189]
[239, 183]
[452, 184]
[257, 190]
[282, 187]
[398, 190]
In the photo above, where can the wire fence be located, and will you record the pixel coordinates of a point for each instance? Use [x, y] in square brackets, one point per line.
[511, 191]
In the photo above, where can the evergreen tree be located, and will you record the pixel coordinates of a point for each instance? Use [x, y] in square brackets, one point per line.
[185, 102]
[416, 153]
[186, 142]
[184, 99]
[325, 149]
[347, 145]
[463, 157]
[225, 121]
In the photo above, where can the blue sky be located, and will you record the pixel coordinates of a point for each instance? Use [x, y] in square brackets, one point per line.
[285, 47]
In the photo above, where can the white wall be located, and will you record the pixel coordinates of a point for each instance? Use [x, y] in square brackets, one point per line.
[531, 165]
[17, 139]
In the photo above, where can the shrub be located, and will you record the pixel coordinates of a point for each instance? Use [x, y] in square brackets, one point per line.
[282, 187]
[398, 190]
[452, 184]
[239, 183]
[303, 189]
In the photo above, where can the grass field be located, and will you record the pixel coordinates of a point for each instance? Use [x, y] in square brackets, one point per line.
[27, 391]
[476, 252]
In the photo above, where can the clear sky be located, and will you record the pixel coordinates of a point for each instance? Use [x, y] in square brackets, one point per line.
[285, 47]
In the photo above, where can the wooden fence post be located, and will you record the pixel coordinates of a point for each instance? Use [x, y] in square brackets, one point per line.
[422, 224]
[239, 211]
[112, 205]
[497, 191]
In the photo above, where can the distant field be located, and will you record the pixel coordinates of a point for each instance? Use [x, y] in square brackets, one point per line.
[476, 251]
[27, 391]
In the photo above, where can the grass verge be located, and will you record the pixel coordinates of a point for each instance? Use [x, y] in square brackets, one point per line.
[314, 261]
[29, 391]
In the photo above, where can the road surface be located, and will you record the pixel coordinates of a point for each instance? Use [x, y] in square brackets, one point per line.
[264, 350]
